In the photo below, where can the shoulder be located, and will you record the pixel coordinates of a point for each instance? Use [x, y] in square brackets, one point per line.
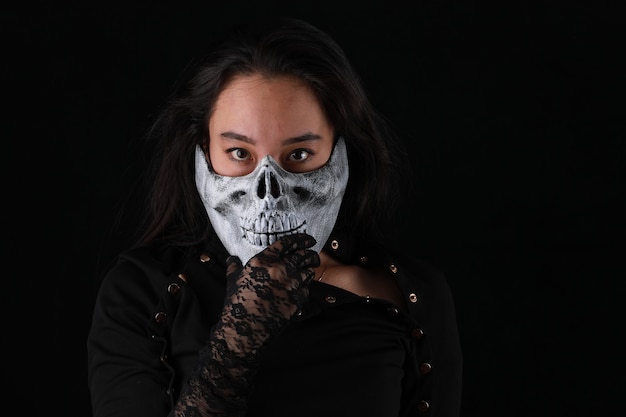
[140, 273]
[428, 287]
[425, 275]
[162, 258]
[421, 282]
[429, 297]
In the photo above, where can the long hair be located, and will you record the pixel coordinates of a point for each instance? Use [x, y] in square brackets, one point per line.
[273, 47]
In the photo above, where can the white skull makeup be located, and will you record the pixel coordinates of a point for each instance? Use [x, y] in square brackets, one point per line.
[250, 212]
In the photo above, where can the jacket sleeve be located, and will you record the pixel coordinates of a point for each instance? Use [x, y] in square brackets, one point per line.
[125, 369]
[438, 345]
[439, 312]
[448, 386]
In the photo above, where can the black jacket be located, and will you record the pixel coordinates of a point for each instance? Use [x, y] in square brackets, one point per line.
[155, 308]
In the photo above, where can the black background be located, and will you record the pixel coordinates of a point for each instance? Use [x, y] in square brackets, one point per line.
[514, 115]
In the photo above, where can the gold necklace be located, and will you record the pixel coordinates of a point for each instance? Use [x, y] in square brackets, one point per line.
[322, 274]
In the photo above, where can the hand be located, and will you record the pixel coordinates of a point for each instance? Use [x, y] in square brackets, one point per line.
[261, 297]
[264, 294]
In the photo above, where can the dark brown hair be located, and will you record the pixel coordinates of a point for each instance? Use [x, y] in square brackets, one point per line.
[272, 47]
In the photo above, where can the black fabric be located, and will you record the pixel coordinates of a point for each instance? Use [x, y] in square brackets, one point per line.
[257, 307]
[350, 352]
[155, 309]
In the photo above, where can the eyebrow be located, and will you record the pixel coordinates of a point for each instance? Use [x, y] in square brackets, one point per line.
[301, 138]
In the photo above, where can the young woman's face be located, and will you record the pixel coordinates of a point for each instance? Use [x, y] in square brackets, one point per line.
[256, 116]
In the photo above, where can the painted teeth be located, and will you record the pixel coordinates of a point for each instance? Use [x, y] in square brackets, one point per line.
[266, 229]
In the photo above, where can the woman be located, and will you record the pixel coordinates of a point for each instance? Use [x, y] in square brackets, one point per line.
[267, 280]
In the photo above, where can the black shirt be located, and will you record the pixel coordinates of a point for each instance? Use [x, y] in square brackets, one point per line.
[344, 355]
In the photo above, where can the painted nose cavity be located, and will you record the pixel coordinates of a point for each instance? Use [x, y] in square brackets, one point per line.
[268, 185]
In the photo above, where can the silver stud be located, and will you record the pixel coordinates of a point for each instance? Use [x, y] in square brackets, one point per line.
[173, 288]
[160, 317]
[394, 311]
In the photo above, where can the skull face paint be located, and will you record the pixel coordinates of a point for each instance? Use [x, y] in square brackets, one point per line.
[252, 211]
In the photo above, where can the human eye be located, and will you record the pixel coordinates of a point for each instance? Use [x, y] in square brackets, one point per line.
[300, 155]
[238, 154]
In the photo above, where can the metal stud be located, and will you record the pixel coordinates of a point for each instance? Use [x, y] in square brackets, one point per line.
[173, 288]
[160, 317]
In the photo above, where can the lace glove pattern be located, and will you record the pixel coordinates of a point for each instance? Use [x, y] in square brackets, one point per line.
[261, 297]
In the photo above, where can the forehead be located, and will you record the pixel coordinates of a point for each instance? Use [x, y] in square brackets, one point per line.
[282, 89]
[254, 104]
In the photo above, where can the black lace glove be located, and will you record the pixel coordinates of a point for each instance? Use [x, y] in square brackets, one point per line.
[261, 297]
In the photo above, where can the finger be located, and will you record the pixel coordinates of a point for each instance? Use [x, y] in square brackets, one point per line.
[291, 243]
[309, 259]
[286, 245]
[302, 263]
[309, 275]
[233, 264]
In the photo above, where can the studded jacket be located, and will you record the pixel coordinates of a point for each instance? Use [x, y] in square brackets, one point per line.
[155, 309]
